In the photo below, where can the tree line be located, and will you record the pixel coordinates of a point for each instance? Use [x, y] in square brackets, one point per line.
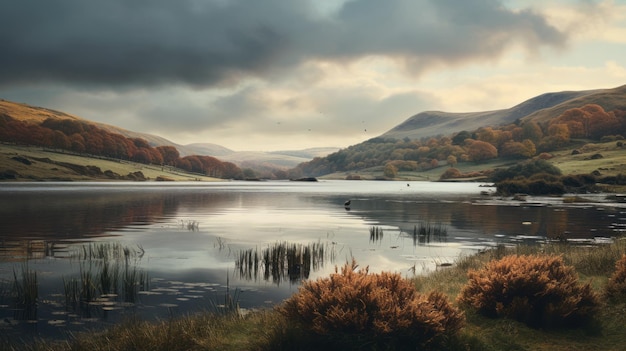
[522, 139]
[87, 138]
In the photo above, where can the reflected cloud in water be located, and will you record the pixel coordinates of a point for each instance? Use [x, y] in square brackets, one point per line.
[199, 240]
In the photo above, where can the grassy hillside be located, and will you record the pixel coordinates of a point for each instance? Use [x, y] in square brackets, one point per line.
[277, 160]
[609, 99]
[540, 108]
[36, 115]
[612, 162]
[33, 163]
[425, 143]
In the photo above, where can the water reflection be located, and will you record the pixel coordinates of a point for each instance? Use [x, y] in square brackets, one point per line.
[175, 248]
[376, 234]
[283, 262]
[427, 232]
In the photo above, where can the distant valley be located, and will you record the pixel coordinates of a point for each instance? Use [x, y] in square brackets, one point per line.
[421, 147]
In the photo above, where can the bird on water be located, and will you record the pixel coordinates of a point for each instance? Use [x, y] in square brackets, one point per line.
[347, 203]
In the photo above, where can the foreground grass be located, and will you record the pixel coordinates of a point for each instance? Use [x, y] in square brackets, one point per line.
[268, 330]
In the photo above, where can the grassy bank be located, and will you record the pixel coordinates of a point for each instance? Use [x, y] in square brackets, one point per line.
[268, 330]
[606, 158]
[31, 163]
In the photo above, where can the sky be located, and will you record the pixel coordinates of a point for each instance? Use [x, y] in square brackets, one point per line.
[266, 75]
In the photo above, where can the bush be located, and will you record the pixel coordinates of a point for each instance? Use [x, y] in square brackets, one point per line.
[540, 291]
[450, 173]
[373, 308]
[525, 169]
[616, 287]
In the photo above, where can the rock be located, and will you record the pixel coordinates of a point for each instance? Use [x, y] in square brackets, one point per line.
[22, 160]
[164, 179]
[306, 179]
[137, 176]
[596, 156]
[112, 175]
[9, 174]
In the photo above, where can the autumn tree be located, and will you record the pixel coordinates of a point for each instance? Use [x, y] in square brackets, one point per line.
[600, 123]
[142, 156]
[452, 161]
[390, 171]
[60, 140]
[532, 131]
[558, 135]
[460, 137]
[479, 151]
[514, 149]
[169, 154]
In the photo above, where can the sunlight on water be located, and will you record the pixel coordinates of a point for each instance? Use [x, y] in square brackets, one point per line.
[200, 239]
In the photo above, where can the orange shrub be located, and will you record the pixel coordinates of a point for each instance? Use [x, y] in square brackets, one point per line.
[540, 291]
[373, 307]
[616, 286]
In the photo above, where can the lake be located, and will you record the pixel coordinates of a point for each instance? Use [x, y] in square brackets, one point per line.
[97, 253]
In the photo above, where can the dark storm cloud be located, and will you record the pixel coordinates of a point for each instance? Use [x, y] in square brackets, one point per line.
[206, 42]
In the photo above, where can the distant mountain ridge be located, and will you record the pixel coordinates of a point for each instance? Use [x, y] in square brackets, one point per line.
[422, 125]
[276, 159]
[542, 107]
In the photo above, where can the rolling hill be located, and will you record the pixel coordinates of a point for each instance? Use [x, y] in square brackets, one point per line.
[540, 108]
[415, 147]
[277, 159]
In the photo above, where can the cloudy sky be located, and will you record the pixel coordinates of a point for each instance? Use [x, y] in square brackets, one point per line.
[286, 74]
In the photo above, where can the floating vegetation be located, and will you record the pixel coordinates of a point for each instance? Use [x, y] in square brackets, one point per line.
[376, 234]
[281, 261]
[424, 233]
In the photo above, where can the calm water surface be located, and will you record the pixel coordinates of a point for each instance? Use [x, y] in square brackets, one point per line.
[189, 244]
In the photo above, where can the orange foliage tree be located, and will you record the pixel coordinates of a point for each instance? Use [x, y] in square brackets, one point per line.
[169, 154]
[478, 151]
[589, 121]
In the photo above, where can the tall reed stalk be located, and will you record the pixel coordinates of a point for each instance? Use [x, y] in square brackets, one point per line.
[26, 293]
[424, 233]
[106, 269]
[376, 234]
[281, 261]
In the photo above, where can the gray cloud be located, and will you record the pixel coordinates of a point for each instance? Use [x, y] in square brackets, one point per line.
[141, 43]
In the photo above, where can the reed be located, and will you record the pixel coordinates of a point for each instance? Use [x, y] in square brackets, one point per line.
[229, 305]
[268, 330]
[106, 269]
[134, 280]
[87, 285]
[426, 232]
[72, 292]
[281, 261]
[26, 293]
[5, 290]
[376, 234]
[107, 251]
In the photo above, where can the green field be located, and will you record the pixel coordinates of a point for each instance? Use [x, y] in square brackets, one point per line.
[52, 165]
[611, 162]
